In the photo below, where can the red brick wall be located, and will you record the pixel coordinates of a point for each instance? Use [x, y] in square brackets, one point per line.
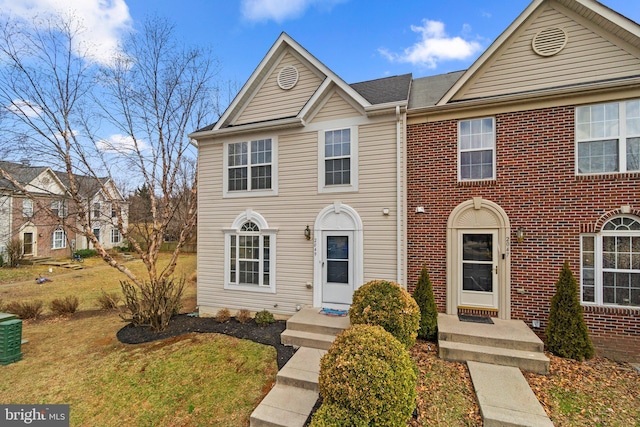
[537, 187]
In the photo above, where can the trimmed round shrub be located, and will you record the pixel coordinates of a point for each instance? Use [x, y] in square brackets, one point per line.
[386, 304]
[223, 315]
[243, 316]
[332, 415]
[368, 374]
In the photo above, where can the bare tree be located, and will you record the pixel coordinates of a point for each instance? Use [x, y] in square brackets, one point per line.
[58, 102]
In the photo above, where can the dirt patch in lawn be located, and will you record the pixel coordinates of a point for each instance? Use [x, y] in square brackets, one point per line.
[184, 324]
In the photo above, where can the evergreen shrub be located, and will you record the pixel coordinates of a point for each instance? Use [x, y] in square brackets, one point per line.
[367, 378]
[386, 304]
[567, 334]
[264, 318]
[423, 294]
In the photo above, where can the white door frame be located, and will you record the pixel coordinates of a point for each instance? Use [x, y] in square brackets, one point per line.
[479, 298]
[473, 215]
[336, 218]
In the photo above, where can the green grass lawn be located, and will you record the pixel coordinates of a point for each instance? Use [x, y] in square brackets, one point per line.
[192, 380]
[87, 284]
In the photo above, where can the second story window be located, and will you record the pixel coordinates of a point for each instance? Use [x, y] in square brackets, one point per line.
[476, 149]
[96, 211]
[27, 208]
[608, 137]
[250, 166]
[58, 207]
[338, 160]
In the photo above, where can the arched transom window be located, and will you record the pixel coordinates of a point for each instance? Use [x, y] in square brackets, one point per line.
[250, 254]
[611, 264]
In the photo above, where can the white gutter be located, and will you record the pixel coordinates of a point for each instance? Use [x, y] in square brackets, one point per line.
[399, 209]
[287, 123]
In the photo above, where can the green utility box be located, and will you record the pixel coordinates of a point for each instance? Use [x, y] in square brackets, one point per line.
[10, 339]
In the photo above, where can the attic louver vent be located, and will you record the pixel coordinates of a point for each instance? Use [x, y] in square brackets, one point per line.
[288, 77]
[549, 41]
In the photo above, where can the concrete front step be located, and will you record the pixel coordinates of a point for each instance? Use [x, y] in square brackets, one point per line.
[309, 320]
[531, 361]
[284, 406]
[505, 398]
[511, 334]
[306, 339]
[302, 369]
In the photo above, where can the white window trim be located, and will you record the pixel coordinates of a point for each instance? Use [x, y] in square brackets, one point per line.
[622, 139]
[250, 193]
[598, 269]
[493, 149]
[250, 215]
[322, 188]
[115, 230]
[27, 208]
[53, 239]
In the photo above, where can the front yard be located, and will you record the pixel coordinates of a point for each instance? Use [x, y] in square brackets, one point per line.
[211, 379]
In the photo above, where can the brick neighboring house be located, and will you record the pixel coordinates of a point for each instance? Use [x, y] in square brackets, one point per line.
[44, 222]
[530, 158]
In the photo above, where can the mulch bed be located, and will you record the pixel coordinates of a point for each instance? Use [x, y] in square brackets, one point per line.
[183, 324]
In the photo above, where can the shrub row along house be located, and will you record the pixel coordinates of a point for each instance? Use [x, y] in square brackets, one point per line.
[492, 177]
[43, 217]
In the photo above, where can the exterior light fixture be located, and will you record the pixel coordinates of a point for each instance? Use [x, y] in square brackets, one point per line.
[307, 233]
[520, 235]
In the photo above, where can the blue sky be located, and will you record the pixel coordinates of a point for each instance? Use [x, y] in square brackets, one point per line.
[359, 40]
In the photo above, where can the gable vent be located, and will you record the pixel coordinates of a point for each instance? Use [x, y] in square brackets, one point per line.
[288, 77]
[549, 41]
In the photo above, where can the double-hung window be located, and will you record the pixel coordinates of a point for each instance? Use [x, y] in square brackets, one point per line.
[27, 208]
[59, 240]
[476, 149]
[610, 264]
[608, 138]
[116, 237]
[338, 160]
[59, 208]
[250, 167]
[250, 254]
[96, 211]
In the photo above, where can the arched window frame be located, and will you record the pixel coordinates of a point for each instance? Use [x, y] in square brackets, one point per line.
[603, 262]
[58, 239]
[251, 232]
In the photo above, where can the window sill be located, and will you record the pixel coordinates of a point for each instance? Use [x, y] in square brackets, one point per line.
[240, 194]
[250, 288]
[613, 176]
[612, 309]
[478, 183]
[338, 189]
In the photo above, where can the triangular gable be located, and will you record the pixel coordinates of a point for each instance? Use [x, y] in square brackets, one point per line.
[335, 107]
[46, 183]
[249, 105]
[597, 45]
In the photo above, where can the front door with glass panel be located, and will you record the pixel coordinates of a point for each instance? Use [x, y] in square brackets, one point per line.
[337, 286]
[27, 243]
[479, 265]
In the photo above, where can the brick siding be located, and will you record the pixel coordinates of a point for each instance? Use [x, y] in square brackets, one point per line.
[537, 187]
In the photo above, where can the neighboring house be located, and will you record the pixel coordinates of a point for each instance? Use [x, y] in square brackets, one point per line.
[45, 220]
[490, 177]
[530, 158]
[301, 188]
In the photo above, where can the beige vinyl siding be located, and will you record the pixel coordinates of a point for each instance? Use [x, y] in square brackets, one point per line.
[296, 206]
[517, 68]
[335, 108]
[271, 102]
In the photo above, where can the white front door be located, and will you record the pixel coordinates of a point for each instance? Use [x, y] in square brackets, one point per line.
[337, 268]
[479, 267]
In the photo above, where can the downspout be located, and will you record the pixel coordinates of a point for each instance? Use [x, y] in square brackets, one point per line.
[399, 209]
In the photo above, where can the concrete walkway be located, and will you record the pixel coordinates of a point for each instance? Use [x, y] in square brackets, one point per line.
[505, 397]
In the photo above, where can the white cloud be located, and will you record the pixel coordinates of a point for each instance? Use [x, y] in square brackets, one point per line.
[434, 46]
[104, 21]
[24, 108]
[280, 10]
[122, 144]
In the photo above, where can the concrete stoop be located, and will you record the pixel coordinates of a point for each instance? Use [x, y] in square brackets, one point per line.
[505, 398]
[506, 342]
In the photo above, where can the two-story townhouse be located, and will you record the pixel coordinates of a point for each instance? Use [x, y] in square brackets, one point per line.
[301, 188]
[37, 219]
[530, 158]
[43, 217]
